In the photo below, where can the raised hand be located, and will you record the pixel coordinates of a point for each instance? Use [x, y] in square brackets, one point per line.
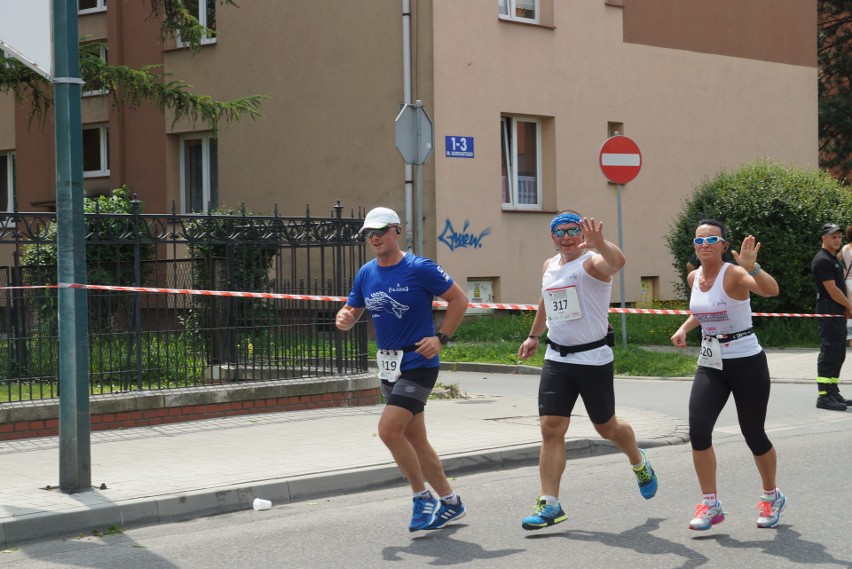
[747, 256]
[592, 234]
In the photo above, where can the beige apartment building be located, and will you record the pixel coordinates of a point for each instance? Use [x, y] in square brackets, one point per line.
[521, 94]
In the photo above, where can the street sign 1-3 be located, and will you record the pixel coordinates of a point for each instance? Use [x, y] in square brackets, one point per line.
[458, 146]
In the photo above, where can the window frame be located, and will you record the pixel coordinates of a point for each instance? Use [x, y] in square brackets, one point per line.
[103, 150]
[510, 156]
[100, 6]
[8, 156]
[202, 19]
[209, 182]
[511, 9]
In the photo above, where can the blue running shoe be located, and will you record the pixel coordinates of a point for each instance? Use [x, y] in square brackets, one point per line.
[425, 511]
[448, 513]
[706, 516]
[770, 512]
[544, 516]
[646, 477]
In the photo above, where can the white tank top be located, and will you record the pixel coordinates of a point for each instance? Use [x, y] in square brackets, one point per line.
[593, 301]
[721, 314]
[846, 251]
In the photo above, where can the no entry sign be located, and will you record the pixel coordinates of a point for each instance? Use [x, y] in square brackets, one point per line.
[620, 159]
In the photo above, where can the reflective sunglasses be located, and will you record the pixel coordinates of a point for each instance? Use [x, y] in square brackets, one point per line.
[370, 233]
[711, 240]
[571, 231]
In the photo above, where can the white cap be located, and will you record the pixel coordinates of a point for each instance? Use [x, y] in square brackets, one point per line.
[380, 217]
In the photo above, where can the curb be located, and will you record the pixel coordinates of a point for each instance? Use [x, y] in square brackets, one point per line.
[202, 503]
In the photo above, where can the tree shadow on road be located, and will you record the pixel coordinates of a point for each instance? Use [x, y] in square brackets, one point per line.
[787, 544]
[450, 551]
[94, 551]
[638, 539]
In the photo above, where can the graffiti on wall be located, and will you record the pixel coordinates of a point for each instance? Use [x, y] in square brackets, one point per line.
[463, 239]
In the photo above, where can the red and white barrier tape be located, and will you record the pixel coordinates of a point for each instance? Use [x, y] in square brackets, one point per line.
[436, 304]
[226, 293]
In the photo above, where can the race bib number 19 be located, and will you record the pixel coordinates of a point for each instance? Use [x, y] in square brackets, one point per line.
[389, 363]
[562, 304]
[710, 354]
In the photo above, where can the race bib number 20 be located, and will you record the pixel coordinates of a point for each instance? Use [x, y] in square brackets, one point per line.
[710, 354]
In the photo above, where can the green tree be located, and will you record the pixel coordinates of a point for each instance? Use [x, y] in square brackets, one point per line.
[835, 86]
[135, 86]
[112, 246]
[784, 208]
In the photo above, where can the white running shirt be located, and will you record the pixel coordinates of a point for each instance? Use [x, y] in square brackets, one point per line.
[593, 303]
[721, 314]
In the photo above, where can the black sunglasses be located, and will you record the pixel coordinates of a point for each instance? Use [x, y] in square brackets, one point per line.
[370, 233]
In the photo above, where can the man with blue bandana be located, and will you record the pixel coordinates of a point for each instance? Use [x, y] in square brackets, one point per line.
[576, 286]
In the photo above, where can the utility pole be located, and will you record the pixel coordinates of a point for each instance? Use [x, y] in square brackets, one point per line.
[75, 462]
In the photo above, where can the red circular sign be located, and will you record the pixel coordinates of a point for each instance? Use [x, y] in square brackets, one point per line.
[620, 159]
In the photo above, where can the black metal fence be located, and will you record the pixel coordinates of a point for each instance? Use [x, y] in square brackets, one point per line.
[148, 341]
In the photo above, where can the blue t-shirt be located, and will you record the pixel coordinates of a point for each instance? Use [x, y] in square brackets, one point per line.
[399, 299]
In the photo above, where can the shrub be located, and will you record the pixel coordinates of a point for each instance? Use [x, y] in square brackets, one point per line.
[784, 208]
[108, 263]
[232, 250]
[112, 244]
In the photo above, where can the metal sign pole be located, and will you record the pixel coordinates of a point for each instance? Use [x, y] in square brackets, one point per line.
[620, 162]
[419, 210]
[414, 140]
[418, 104]
[621, 272]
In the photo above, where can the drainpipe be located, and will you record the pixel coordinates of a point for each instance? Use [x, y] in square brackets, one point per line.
[406, 87]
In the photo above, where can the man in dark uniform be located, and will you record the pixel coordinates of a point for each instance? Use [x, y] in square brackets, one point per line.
[831, 299]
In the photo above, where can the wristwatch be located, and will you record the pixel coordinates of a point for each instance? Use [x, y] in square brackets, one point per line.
[443, 338]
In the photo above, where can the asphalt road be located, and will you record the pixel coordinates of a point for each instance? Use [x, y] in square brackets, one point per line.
[609, 524]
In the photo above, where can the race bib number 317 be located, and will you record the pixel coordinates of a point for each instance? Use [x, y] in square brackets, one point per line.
[562, 304]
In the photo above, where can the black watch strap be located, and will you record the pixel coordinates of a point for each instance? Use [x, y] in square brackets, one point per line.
[443, 338]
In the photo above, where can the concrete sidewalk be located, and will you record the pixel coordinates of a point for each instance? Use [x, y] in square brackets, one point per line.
[166, 473]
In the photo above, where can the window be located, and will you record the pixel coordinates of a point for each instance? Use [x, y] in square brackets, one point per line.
[521, 163]
[614, 128]
[199, 173]
[205, 11]
[101, 50]
[95, 151]
[7, 182]
[520, 10]
[91, 6]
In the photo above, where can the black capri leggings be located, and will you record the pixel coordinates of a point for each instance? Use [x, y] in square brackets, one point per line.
[748, 379]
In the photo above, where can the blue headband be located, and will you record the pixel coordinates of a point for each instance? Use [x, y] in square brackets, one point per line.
[564, 218]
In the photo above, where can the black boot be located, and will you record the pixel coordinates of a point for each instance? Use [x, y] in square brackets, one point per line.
[826, 399]
[835, 394]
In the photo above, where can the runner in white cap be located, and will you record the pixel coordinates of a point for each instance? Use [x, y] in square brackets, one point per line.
[397, 288]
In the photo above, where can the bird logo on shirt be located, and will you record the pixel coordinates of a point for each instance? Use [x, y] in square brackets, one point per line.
[382, 302]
